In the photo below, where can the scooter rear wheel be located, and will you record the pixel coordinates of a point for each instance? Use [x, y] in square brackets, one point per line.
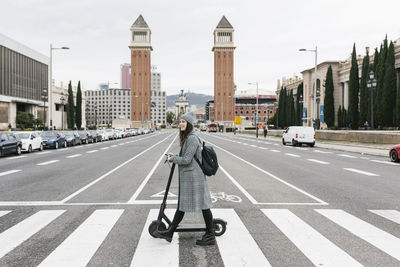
[156, 225]
[219, 227]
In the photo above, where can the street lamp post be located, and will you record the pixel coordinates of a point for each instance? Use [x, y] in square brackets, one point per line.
[95, 115]
[315, 81]
[372, 85]
[51, 82]
[109, 114]
[256, 83]
[301, 109]
[45, 95]
[62, 99]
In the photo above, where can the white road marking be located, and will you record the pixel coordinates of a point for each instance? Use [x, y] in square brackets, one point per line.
[152, 251]
[48, 162]
[74, 156]
[104, 148]
[361, 172]
[260, 147]
[273, 176]
[375, 236]
[276, 144]
[253, 145]
[108, 173]
[245, 144]
[323, 152]
[347, 156]
[91, 151]
[4, 212]
[274, 150]
[43, 152]
[317, 248]
[20, 232]
[9, 172]
[318, 161]
[142, 185]
[292, 155]
[392, 215]
[385, 162]
[16, 157]
[364, 158]
[237, 247]
[114, 146]
[79, 247]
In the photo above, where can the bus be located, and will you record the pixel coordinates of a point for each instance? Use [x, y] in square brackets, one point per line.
[213, 127]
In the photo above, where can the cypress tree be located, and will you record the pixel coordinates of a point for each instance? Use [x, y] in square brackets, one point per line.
[299, 110]
[364, 94]
[397, 112]
[292, 110]
[329, 108]
[70, 108]
[389, 88]
[379, 75]
[78, 109]
[280, 108]
[339, 116]
[353, 90]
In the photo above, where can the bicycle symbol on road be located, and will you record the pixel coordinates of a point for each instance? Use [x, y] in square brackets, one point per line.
[222, 196]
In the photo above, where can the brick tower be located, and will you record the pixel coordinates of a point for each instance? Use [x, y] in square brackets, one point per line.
[223, 73]
[140, 47]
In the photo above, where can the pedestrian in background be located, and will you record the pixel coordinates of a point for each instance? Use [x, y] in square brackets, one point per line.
[194, 194]
[265, 131]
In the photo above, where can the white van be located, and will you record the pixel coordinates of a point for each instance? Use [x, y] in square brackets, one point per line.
[299, 135]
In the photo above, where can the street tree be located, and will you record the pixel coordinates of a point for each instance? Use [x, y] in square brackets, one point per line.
[364, 94]
[353, 90]
[379, 74]
[70, 108]
[389, 89]
[78, 108]
[329, 108]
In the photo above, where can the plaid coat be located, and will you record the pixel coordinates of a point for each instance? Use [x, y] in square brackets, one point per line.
[194, 194]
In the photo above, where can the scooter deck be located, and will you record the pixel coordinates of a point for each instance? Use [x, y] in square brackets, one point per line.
[191, 228]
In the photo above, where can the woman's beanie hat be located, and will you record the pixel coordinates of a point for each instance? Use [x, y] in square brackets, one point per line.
[188, 117]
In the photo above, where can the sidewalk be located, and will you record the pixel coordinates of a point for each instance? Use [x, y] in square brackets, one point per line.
[362, 148]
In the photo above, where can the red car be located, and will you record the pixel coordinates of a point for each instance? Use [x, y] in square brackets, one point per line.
[394, 153]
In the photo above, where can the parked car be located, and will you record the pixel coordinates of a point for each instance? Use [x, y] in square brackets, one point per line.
[96, 135]
[72, 138]
[9, 144]
[103, 134]
[133, 132]
[53, 139]
[110, 133]
[394, 153]
[299, 135]
[85, 136]
[30, 141]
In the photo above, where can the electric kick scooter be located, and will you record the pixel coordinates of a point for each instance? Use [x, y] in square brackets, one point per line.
[219, 225]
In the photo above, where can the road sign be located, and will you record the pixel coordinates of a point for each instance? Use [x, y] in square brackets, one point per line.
[321, 113]
[238, 120]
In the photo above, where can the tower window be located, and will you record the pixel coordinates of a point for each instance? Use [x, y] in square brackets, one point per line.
[139, 36]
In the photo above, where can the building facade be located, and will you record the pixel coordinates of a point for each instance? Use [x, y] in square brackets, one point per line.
[125, 76]
[140, 47]
[23, 78]
[158, 100]
[224, 72]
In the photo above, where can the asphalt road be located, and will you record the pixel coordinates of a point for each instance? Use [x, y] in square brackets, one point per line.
[91, 205]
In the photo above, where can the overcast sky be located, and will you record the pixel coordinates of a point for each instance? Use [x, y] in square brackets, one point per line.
[268, 35]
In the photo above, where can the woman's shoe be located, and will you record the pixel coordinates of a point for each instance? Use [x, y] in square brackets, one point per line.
[205, 240]
[166, 234]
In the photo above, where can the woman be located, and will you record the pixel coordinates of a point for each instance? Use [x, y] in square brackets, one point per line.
[194, 194]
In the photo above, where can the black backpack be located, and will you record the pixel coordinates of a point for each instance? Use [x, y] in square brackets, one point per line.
[209, 166]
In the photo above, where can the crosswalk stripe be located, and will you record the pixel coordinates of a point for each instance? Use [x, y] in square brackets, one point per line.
[361, 172]
[20, 232]
[292, 155]
[317, 248]
[392, 215]
[4, 212]
[237, 247]
[375, 236]
[152, 251]
[80, 246]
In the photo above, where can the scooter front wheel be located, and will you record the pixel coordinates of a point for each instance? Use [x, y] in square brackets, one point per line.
[156, 225]
[219, 227]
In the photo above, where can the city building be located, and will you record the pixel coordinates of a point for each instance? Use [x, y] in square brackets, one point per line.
[140, 48]
[23, 80]
[104, 106]
[245, 107]
[125, 76]
[223, 72]
[181, 105]
[290, 84]
[158, 100]
[313, 109]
